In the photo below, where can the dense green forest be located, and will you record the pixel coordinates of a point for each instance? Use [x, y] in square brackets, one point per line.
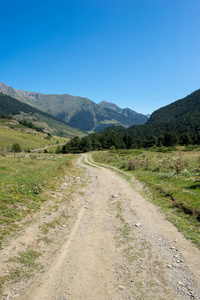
[175, 124]
[4, 116]
[183, 108]
[115, 140]
[179, 117]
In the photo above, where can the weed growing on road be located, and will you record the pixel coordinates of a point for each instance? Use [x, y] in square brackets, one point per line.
[46, 240]
[26, 265]
[139, 257]
[124, 233]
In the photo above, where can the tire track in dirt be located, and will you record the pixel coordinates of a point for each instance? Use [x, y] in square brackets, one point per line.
[120, 247]
[49, 277]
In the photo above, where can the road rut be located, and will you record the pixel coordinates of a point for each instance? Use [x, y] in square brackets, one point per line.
[119, 247]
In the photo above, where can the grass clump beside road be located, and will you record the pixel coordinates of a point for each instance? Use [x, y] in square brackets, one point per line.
[26, 259]
[172, 178]
[24, 180]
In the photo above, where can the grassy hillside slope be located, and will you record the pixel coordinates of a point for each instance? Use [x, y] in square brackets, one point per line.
[22, 111]
[12, 132]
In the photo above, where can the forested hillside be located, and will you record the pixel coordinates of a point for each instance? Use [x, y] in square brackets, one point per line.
[9, 105]
[182, 109]
[177, 123]
[179, 117]
[22, 111]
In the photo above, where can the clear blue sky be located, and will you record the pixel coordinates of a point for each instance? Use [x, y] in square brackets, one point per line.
[141, 54]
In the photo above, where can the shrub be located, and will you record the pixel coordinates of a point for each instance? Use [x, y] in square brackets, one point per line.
[133, 164]
[112, 148]
[180, 165]
[146, 164]
[124, 165]
[16, 148]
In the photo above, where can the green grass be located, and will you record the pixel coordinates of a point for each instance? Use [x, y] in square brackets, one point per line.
[47, 240]
[24, 181]
[26, 140]
[172, 178]
[27, 258]
[26, 265]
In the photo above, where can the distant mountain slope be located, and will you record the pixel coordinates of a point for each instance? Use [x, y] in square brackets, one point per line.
[78, 112]
[22, 111]
[110, 105]
[121, 118]
[190, 105]
[180, 116]
[127, 112]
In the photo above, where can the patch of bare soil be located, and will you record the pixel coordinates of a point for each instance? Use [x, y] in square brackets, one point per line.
[104, 241]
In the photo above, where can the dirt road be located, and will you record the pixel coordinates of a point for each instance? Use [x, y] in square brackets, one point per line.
[119, 246]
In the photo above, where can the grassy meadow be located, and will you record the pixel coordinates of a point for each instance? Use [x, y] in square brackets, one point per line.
[24, 180]
[26, 139]
[171, 178]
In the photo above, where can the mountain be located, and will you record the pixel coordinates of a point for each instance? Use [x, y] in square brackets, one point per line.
[179, 117]
[174, 124]
[22, 111]
[127, 112]
[110, 105]
[184, 108]
[78, 112]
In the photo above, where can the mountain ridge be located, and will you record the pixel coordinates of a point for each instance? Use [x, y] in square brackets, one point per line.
[181, 116]
[78, 112]
[127, 112]
[176, 109]
[23, 111]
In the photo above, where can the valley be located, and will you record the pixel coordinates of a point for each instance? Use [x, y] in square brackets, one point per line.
[100, 150]
[119, 222]
[78, 112]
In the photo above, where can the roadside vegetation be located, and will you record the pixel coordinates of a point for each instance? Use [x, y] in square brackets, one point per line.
[171, 179]
[24, 181]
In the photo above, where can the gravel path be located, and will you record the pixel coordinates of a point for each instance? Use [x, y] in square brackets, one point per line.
[120, 246]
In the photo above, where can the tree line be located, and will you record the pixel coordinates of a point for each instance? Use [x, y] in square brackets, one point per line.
[115, 140]
[30, 125]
